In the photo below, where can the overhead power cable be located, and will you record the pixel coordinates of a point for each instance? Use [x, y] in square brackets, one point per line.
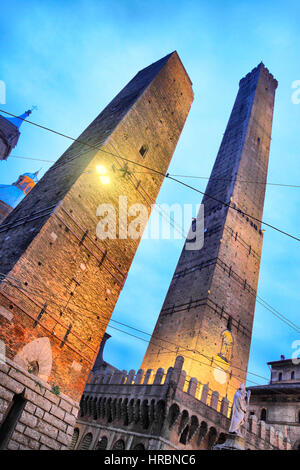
[165, 175]
[183, 176]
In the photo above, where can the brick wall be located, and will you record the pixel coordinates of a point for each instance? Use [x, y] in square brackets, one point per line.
[60, 281]
[47, 420]
[219, 282]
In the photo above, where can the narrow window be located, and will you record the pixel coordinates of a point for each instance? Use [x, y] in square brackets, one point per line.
[293, 375]
[143, 150]
[280, 376]
[263, 414]
[86, 442]
[11, 418]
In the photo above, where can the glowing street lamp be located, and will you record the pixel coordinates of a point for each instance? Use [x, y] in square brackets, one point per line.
[103, 174]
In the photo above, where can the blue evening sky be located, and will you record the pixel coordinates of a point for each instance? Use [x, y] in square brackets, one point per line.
[70, 58]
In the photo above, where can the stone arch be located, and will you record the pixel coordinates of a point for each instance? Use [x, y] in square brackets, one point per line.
[125, 411]
[86, 441]
[212, 437]
[145, 414]
[296, 446]
[108, 410]
[114, 409]
[139, 446]
[193, 427]
[103, 408]
[137, 410]
[36, 357]
[159, 416]
[119, 409]
[174, 412]
[221, 438]
[94, 407]
[184, 435]
[90, 406]
[202, 432]
[102, 443]
[74, 438]
[119, 445]
[99, 408]
[183, 421]
[131, 411]
[152, 411]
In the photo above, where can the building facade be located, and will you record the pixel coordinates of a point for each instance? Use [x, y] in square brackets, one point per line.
[161, 411]
[59, 280]
[278, 403]
[207, 316]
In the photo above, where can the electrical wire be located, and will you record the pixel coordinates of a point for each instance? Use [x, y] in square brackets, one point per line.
[165, 175]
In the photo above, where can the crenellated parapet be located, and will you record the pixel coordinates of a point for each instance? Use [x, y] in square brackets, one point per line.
[180, 412]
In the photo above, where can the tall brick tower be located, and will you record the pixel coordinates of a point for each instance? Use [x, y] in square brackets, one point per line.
[59, 282]
[207, 315]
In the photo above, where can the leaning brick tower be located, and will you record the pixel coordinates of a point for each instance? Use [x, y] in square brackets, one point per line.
[207, 315]
[59, 281]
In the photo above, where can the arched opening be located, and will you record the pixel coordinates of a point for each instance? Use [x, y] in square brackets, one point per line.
[86, 442]
[183, 421]
[125, 411]
[263, 414]
[184, 434]
[202, 432]
[193, 427]
[136, 414]
[74, 438]
[102, 443]
[131, 411]
[221, 438]
[145, 414]
[212, 437]
[139, 446]
[173, 414]
[119, 445]
[108, 411]
[95, 408]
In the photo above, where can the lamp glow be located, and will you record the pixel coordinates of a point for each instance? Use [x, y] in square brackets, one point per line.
[103, 176]
[104, 179]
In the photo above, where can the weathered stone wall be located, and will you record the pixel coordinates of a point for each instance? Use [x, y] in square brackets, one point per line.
[161, 411]
[47, 421]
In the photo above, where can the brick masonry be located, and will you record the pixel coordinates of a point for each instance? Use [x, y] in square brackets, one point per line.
[47, 420]
[213, 291]
[60, 282]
